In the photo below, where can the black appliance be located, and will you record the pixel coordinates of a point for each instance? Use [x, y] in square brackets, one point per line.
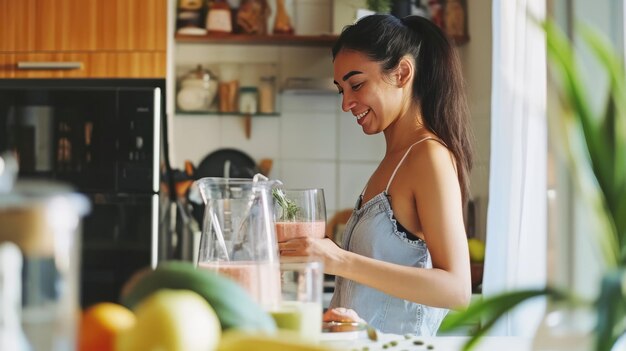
[103, 136]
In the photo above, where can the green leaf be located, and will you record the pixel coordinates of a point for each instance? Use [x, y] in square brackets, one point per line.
[615, 129]
[488, 307]
[611, 308]
[590, 159]
[491, 309]
[574, 95]
[379, 6]
[288, 206]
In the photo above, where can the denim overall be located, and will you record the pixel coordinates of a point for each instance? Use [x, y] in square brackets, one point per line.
[372, 231]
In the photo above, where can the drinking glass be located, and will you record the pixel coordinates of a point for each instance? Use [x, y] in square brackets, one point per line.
[300, 213]
[301, 290]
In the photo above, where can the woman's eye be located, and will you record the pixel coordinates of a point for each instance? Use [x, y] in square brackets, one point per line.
[357, 86]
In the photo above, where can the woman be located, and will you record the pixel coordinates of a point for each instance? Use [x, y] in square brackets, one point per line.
[404, 259]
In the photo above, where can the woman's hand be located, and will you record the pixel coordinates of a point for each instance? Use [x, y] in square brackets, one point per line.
[341, 314]
[325, 249]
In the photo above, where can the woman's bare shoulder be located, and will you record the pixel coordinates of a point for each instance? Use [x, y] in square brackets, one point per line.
[430, 166]
[430, 152]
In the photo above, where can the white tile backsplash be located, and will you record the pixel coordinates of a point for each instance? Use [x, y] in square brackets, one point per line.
[354, 145]
[352, 179]
[308, 136]
[264, 136]
[311, 62]
[193, 137]
[312, 174]
[298, 103]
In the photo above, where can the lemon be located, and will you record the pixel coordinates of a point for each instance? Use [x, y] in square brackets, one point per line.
[100, 325]
[476, 249]
[173, 320]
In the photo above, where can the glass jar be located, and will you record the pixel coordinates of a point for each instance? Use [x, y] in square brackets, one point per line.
[43, 219]
[267, 95]
[248, 97]
[219, 17]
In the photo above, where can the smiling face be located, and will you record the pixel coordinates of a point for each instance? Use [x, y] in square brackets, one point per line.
[373, 97]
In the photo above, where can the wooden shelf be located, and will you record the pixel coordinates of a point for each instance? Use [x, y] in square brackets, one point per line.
[217, 113]
[279, 39]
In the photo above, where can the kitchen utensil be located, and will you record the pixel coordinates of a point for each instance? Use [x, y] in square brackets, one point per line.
[282, 22]
[238, 236]
[240, 240]
[241, 164]
[265, 166]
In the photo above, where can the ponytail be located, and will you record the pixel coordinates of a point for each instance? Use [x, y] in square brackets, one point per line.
[439, 87]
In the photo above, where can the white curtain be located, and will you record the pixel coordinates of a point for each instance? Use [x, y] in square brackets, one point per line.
[516, 219]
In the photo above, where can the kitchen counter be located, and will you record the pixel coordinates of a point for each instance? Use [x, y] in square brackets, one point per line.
[389, 342]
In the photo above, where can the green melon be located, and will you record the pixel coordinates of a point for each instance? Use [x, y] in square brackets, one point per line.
[234, 307]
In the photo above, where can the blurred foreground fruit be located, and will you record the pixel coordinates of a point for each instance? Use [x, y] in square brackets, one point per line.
[101, 324]
[172, 320]
[234, 307]
[476, 250]
[282, 340]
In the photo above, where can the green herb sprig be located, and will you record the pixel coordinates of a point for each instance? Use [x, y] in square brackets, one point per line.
[289, 207]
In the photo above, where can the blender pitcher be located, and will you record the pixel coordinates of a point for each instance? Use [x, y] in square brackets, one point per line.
[238, 235]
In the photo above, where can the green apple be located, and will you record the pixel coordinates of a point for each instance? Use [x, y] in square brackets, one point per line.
[172, 320]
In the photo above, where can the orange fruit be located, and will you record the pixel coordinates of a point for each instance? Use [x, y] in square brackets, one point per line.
[100, 325]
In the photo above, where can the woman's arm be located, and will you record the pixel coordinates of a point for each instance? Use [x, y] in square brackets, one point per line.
[438, 201]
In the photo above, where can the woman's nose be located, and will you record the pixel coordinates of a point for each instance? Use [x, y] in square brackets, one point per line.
[347, 103]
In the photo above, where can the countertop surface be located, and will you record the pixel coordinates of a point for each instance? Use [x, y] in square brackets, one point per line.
[358, 341]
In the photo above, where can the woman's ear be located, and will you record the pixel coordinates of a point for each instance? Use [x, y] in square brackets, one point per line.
[404, 72]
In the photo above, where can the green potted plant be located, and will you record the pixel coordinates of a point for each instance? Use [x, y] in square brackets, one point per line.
[379, 6]
[595, 147]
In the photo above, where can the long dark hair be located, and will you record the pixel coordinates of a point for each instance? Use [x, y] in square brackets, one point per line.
[438, 85]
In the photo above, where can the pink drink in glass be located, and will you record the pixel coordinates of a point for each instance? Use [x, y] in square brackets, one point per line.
[290, 230]
[260, 279]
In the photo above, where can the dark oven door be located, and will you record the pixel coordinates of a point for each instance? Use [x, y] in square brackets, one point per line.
[99, 135]
[65, 134]
[119, 238]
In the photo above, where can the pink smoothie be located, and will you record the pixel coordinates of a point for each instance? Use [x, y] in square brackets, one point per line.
[261, 280]
[289, 230]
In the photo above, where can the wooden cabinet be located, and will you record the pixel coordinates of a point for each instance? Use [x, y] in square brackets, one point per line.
[17, 25]
[84, 65]
[110, 38]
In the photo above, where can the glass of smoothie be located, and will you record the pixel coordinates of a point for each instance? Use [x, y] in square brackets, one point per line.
[299, 213]
[301, 290]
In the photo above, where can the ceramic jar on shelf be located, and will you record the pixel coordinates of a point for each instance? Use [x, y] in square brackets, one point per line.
[197, 90]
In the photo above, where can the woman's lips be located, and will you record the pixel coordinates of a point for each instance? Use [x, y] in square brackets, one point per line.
[360, 118]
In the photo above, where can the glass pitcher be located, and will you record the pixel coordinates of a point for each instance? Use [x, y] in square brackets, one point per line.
[238, 235]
